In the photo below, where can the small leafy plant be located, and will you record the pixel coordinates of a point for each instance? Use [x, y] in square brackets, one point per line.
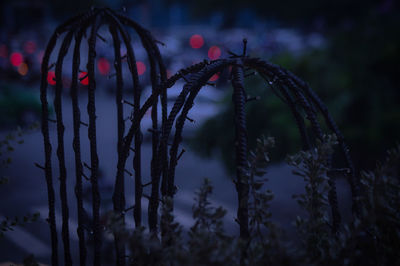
[372, 238]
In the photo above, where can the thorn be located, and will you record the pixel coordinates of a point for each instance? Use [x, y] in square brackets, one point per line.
[244, 47]
[155, 131]
[237, 221]
[126, 102]
[101, 37]
[128, 209]
[87, 166]
[180, 154]
[83, 123]
[256, 98]
[129, 173]
[149, 198]
[85, 176]
[190, 119]
[132, 149]
[39, 166]
[147, 184]
[250, 74]
[211, 84]
[82, 78]
[124, 57]
[157, 41]
[52, 120]
[232, 54]
[51, 66]
[146, 196]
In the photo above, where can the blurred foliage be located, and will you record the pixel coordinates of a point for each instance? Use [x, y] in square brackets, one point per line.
[18, 105]
[307, 14]
[355, 74]
[310, 13]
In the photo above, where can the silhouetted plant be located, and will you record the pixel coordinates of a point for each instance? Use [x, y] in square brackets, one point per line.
[362, 241]
[300, 99]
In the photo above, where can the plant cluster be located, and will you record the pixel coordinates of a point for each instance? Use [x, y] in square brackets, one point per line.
[372, 238]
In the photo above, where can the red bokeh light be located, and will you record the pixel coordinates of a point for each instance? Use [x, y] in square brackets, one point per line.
[104, 66]
[85, 80]
[50, 78]
[214, 52]
[30, 47]
[3, 51]
[141, 67]
[196, 41]
[214, 77]
[16, 59]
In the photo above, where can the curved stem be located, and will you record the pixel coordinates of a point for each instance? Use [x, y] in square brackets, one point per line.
[119, 188]
[60, 148]
[241, 182]
[94, 160]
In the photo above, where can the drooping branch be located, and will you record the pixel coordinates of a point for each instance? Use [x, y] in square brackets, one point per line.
[241, 182]
[136, 102]
[352, 177]
[119, 188]
[73, 22]
[77, 147]
[60, 148]
[94, 160]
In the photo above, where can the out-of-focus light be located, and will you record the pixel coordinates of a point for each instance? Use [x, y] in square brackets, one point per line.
[30, 47]
[104, 66]
[16, 59]
[196, 41]
[23, 69]
[214, 52]
[214, 77]
[84, 78]
[40, 56]
[141, 67]
[3, 51]
[50, 78]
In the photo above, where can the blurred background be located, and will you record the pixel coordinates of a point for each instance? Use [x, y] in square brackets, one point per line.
[348, 51]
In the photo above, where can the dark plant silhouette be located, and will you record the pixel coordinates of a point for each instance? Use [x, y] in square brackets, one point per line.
[302, 101]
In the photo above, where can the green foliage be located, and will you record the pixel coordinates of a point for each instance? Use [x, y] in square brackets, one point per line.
[266, 116]
[355, 73]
